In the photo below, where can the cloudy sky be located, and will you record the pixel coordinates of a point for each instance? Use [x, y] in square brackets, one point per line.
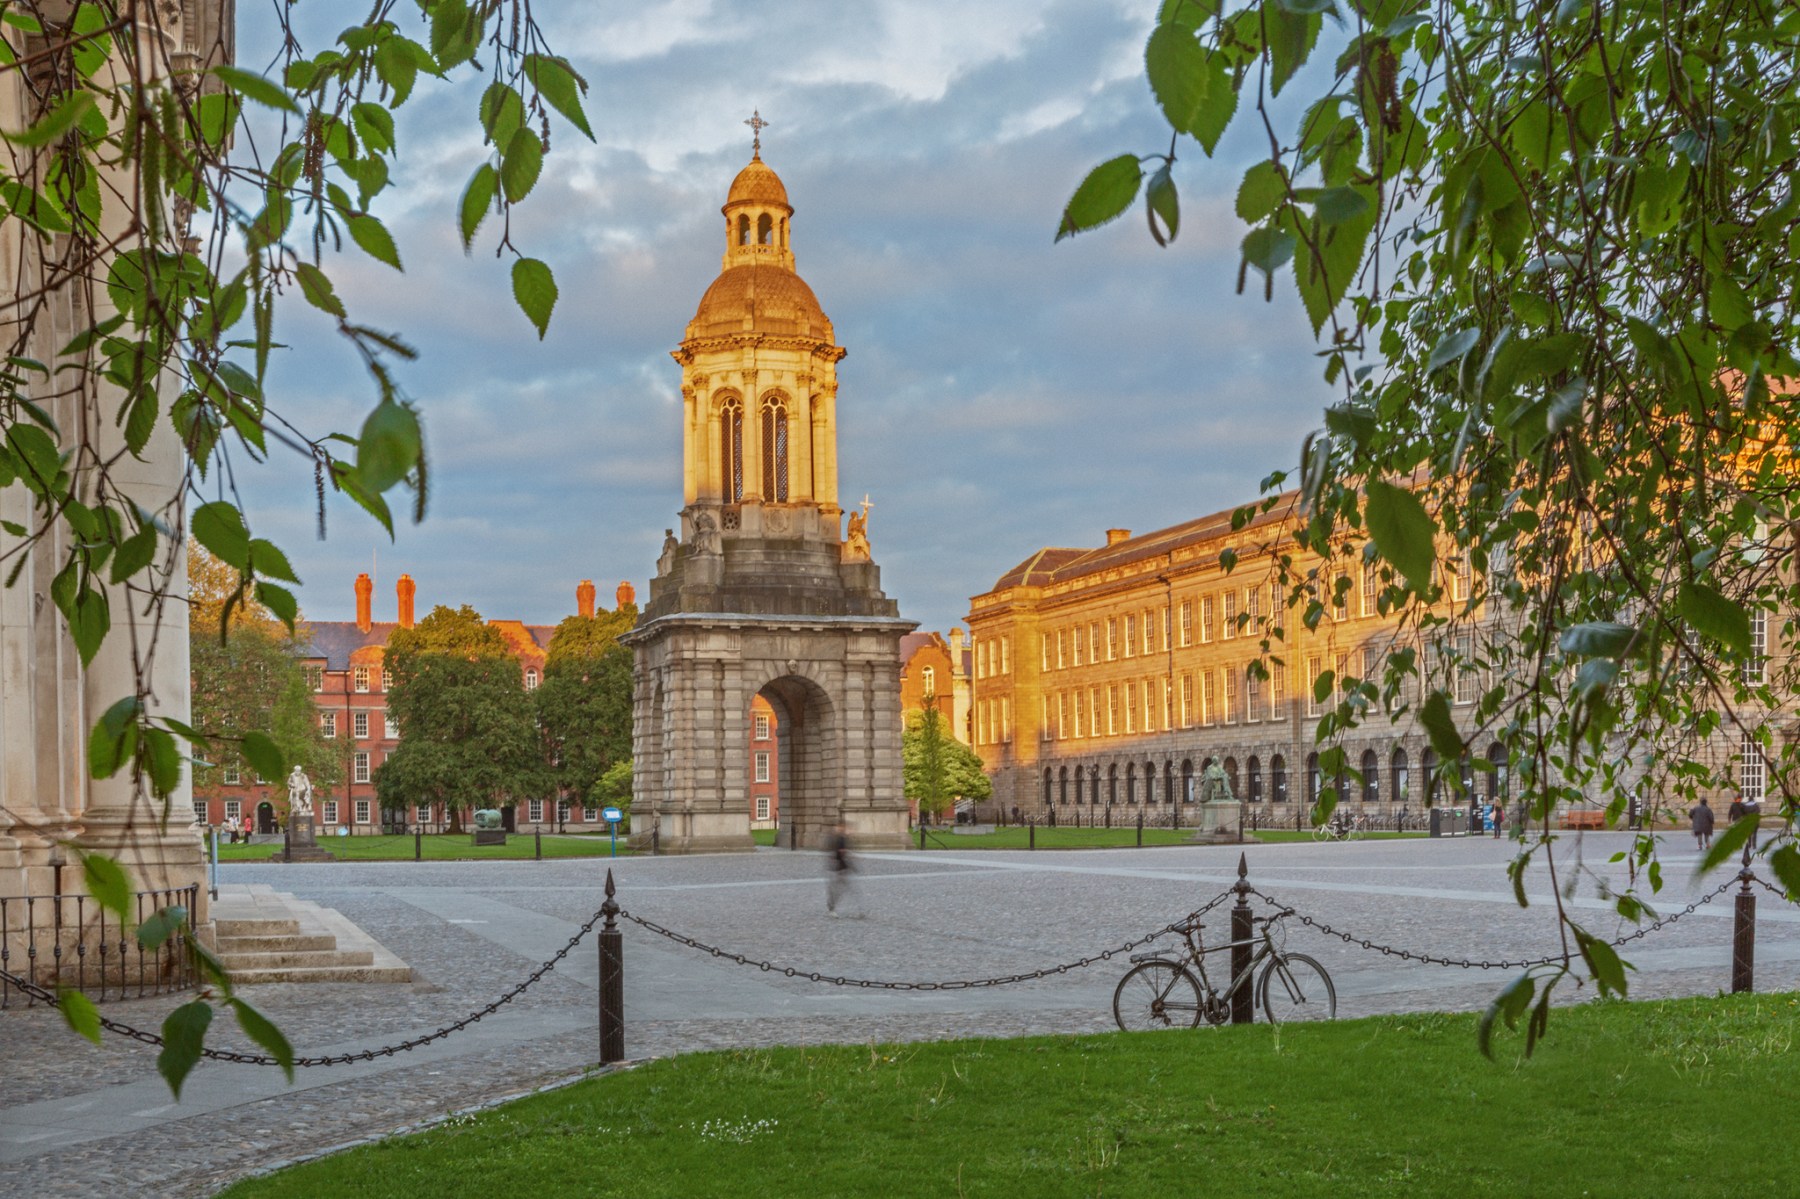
[1001, 393]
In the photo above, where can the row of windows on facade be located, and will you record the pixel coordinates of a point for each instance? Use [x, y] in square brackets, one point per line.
[236, 776]
[362, 676]
[774, 449]
[1752, 779]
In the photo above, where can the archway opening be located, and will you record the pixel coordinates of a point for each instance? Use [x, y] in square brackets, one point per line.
[808, 778]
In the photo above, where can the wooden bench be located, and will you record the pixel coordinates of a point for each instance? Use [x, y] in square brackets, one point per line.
[1584, 818]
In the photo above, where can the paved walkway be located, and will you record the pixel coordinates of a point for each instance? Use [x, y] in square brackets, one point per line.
[80, 1120]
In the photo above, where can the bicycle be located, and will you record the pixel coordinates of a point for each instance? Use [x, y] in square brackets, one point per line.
[1163, 991]
[1341, 827]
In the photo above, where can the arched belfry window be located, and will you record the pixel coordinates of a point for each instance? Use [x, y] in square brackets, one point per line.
[743, 229]
[731, 450]
[775, 450]
[765, 230]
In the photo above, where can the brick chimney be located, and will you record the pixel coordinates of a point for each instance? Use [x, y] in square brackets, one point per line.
[406, 589]
[625, 596]
[1114, 536]
[584, 598]
[365, 595]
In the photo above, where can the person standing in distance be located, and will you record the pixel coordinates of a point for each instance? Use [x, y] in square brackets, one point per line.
[837, 866]
[1702, 818]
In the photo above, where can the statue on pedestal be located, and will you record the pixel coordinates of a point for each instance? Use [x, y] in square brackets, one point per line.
[1215, 787]
[856, 543]
[299, 793]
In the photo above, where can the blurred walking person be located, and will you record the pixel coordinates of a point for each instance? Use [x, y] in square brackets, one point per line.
[838, 867]
[1701, 819]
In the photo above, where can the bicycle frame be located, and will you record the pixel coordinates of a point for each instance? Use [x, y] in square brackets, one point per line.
[1195, 957]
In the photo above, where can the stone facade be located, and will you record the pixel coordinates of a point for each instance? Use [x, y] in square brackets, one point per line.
[48, 702]
[1113, 675]
[761, 594]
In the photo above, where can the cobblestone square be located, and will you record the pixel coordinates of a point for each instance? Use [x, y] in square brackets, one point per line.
[81, 1120]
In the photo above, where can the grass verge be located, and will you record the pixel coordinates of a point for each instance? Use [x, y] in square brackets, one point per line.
[1668, 1098]
[436, 847]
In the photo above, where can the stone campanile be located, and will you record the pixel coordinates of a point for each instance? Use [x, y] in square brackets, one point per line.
[764, 592]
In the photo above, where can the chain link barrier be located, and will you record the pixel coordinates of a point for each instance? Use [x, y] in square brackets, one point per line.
[839, 980]
[340, 1059]
[1772, 889]
[1469, 963]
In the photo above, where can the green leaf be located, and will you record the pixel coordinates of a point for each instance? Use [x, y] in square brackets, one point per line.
[254, 87]
[1597, 639]
[1291, 37]
[477, 200]
[1262, 190]
[220, 528]
[1107, 192]
[1785, 862]
[1509, 1004]
[375, 240]
[264, 758]
[317, 289]
[1602, 962]
[1440, 726]
[90, 619]
[134, 554]
[558, 82]
[1267, 249]
[267, 560]
[1715, 616]
[521, 164]
[1337, 205]
[162, 762]
[390, 444]
[262, 1030]
[374, 125]
[449, 44]
[184, 1032]
[534, 287]
[1160, 201]
[280, 601]
[106, 882]
[1453, 348]
[58, 121]
[1728, 844]
[1177, 67]
[79, 1012]
[160, 927]
[1403, 532]
[113, 740]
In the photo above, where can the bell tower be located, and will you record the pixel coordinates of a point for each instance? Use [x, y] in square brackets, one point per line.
[759, 381]
[763, 594]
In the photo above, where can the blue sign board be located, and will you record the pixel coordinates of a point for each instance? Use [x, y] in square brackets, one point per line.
[611, 815]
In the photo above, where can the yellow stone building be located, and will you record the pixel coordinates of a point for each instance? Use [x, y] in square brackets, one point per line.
[1112, 675]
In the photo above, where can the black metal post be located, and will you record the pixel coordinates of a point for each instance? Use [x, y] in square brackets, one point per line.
[612, 982]
[1140, 828]
[921, 830]
[538, 843]
[418, 843]
[793, 835]
[1241, 931]
[1031, 835]
[1743, 933]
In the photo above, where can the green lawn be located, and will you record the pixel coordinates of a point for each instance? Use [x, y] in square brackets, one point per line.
[1288, 834]
[436, 847]
[1669, 1098]
[1062, 837]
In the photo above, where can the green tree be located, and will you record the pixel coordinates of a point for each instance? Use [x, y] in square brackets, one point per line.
[468, 736]
[614, 786]
[937, 768]
[1550, 250]
[248, 683]
[584, 702]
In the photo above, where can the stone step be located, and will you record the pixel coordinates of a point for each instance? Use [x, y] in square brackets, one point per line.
[240, 926]
[299, 958]
[287, 941]
[324, 974]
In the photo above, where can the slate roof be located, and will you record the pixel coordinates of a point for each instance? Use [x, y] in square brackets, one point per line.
[337, 641]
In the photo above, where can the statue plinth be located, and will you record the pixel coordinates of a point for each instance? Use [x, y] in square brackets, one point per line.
[1221, 820]
[302, 842]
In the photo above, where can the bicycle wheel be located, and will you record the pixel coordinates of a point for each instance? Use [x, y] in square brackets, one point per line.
[1322, 832]
[1293, 988]
[1157, 994]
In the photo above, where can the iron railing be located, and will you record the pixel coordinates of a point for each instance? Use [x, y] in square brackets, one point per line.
[71, 941]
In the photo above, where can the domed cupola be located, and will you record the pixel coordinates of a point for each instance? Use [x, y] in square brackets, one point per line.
[757, 214]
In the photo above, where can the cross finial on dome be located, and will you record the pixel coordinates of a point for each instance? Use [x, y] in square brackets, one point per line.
[757, 125]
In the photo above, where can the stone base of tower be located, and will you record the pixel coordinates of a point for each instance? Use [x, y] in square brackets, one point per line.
[787, 620]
